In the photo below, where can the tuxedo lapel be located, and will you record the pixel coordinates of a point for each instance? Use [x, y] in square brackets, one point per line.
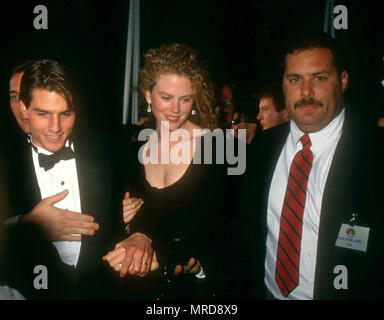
[31, 184]
[23, 187]
[89, 184]
[93, 177]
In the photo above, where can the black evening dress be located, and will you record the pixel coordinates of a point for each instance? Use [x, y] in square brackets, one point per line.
[189, 211]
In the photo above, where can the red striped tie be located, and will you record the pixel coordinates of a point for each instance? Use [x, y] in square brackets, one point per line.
[291, 221]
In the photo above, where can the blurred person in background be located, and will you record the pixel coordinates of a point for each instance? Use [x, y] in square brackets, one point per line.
[245, 119]
[272, 111]
[226, 105]
[14, 96]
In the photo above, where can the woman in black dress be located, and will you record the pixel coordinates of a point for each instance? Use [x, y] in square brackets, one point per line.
[179, 210]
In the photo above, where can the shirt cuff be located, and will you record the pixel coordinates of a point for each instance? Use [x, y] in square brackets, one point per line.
[200, 274]
[7, 293]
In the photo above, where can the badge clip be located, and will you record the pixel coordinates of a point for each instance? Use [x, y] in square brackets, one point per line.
[353, 219]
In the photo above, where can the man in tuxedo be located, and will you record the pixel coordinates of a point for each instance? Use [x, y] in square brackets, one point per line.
[310, 193]
[59, 190]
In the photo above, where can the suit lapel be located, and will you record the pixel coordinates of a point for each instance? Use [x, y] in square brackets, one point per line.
[338, 204]
[262, 162]
[341, 192]
[274, 146]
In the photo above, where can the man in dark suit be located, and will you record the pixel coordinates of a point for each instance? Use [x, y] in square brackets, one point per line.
[310, 193]
[59, 189]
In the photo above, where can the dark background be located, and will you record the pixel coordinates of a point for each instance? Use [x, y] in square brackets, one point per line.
[241, 41]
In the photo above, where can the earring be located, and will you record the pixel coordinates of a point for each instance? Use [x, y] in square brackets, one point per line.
[149, 109]
[193, 112]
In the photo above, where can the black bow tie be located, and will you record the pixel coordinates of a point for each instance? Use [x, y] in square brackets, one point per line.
[48, 161]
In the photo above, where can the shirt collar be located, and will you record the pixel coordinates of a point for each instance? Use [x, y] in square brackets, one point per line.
[320, 139]
[42, 150]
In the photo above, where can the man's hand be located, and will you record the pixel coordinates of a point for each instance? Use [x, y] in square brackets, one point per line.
[59, 224]
[133, 255]
[130, 207]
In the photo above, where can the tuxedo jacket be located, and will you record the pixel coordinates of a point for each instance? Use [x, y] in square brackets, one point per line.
[27, 247]
[351, 187]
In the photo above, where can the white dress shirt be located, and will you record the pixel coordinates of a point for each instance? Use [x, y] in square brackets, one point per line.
[62, 176]
[7, 293]
[323, 147]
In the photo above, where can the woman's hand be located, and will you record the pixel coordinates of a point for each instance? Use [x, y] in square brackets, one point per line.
[193, 267]
[133, 255]
[130, 207]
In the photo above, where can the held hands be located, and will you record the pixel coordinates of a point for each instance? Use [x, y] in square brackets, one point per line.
[133, 255]
[59, 224]
[130, 207]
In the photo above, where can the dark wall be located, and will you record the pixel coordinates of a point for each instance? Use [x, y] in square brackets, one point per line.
[241, 41]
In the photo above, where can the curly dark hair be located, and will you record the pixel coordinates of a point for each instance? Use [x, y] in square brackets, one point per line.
[183, 60]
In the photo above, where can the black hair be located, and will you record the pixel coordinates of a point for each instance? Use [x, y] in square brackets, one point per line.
[273, 91]
[49, 75]
[312, 41]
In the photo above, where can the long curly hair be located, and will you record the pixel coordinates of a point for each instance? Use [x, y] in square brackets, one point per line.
[183, 60]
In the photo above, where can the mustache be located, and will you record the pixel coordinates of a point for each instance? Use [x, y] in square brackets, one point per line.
[304, 102]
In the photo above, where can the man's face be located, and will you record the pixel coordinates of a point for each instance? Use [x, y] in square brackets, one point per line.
[226, 94]
[14, 91]
[268, 116]
[50, 119]
[312, 88]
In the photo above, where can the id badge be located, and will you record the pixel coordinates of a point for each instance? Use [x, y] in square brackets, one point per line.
[353, 237]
